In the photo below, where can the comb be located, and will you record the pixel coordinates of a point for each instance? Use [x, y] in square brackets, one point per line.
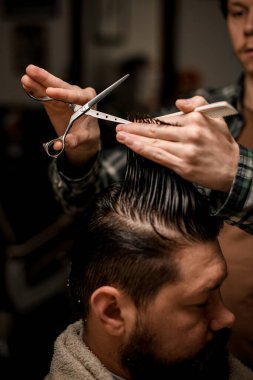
[217, 109]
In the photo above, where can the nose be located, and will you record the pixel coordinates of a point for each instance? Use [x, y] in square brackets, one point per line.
[248, 27]
[221, 318]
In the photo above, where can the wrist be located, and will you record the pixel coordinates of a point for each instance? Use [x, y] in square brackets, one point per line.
[71, 170]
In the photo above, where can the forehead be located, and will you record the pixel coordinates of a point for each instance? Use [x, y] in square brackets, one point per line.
[202, 266]
[240, 2]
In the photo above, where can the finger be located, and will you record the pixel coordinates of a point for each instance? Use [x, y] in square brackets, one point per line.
[162, 132]
[33, 87]
[73, 95]
[57, 145]
[188, 105]
[70, 142]
[45, 78]
[155, 150]
[146, 144]
[38, 79]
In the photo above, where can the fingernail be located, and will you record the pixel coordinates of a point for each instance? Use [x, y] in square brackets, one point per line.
[121, 136]
[185, 102]
[119, 127]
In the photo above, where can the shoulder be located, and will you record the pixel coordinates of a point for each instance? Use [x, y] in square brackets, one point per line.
[228, 93]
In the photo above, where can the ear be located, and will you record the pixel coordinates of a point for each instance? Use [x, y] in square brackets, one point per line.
[111, 306]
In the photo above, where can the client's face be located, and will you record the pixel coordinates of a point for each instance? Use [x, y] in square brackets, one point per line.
[184, 330]
[141, 360]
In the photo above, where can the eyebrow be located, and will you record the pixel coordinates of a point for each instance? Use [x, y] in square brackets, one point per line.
[217, 285]
[236, 3]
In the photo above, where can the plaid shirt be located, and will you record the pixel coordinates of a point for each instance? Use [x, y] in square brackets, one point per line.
[235, 207]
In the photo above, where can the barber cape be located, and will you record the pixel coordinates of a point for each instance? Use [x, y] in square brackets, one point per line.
[72, 360]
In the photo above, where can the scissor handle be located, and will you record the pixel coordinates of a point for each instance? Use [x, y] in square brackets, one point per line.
[49, 147]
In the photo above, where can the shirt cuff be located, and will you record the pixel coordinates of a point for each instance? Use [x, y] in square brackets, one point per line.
[233, 203]
[72, 174]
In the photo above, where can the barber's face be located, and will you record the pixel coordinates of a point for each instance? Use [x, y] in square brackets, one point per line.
[240, 27]
[184, 329]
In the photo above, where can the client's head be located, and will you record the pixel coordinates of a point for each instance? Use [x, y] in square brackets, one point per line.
[146, 276]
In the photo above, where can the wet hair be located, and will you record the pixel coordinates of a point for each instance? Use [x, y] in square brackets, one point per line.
[133, 231]
[224, 7]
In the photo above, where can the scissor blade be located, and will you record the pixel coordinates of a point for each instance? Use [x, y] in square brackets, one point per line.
[106, 116]
[105, 92]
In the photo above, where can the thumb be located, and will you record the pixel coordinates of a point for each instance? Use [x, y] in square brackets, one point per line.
[188, 105]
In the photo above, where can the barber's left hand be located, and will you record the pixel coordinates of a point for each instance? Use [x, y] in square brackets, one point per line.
[198, 148]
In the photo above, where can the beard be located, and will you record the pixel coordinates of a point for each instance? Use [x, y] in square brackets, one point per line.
[139, 358]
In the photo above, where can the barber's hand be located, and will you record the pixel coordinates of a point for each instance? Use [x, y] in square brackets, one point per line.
[198, 148]
[83, 140]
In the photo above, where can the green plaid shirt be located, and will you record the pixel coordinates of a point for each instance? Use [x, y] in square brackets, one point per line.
[236, 207]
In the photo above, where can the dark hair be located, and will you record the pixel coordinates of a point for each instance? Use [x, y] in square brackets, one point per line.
[132, 228]
[224, 7]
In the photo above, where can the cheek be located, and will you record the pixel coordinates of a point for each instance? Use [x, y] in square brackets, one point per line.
[236, 38]
[180, 337]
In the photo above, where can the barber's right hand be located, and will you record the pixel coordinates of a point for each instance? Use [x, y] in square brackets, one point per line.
[83, 140]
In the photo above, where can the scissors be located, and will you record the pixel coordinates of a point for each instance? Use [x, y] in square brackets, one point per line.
[78, 112]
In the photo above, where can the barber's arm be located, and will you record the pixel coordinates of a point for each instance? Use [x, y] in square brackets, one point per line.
[75, 192]
[237, 205]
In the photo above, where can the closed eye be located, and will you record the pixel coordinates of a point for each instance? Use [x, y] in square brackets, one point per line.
[202, 305]
[237, 13]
